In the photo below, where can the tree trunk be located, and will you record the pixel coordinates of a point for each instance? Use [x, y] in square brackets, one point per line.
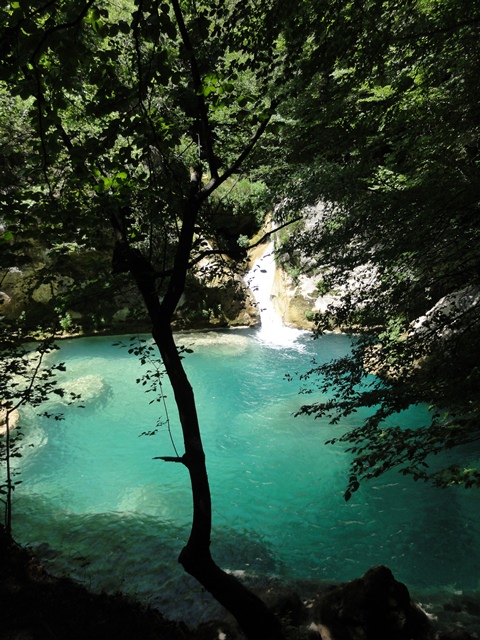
[257, 622]
[251, 613]
[8, 458]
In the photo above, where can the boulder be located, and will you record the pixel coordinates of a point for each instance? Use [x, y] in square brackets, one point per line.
[454, 634]
[373, 607]
[286, 604]
[294, 302]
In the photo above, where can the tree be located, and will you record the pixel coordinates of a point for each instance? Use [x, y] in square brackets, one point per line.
[393, 155]
[136, 114]
[26, 380]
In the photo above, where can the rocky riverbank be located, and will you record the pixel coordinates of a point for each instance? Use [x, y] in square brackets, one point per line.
[37, 606]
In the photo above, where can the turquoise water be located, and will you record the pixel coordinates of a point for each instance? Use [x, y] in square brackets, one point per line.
[97, 506]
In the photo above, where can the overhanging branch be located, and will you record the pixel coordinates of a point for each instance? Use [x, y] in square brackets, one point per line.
[216, 181]
[67, 25]
[220, 252]
[267, 234]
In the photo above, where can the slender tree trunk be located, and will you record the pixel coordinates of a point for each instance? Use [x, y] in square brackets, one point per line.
[8, 498]
[253, 616]
[257, 622]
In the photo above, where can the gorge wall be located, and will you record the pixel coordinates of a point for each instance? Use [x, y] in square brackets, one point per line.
[77, 289]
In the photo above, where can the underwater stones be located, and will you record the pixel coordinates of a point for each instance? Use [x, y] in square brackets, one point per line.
[286, 604]
[88, 389]
[460, 615]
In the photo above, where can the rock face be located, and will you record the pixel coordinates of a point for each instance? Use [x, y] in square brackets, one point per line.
[215, 300]
[294, 302]
[215, 296]
[373, 607]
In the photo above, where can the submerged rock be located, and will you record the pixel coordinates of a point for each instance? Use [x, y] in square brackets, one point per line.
[87, 389]
[13, 417]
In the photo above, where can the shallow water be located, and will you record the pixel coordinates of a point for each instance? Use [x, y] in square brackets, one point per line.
[97, 505]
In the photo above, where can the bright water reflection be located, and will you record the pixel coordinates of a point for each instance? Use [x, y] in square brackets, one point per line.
[104, 510]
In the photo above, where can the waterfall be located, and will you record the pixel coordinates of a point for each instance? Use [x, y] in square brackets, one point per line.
[260, 280]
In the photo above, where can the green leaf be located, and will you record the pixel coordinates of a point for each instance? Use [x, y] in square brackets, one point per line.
[7, 236]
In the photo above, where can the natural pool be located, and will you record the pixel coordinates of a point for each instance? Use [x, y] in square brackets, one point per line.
[97, 506]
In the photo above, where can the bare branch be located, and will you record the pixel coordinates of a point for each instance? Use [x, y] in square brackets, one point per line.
[225, 252]
[170, 459]
[267, 234]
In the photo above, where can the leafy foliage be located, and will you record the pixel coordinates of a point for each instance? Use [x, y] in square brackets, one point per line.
[393, 155]
[138, 112]
[26, 379]
[113, 123]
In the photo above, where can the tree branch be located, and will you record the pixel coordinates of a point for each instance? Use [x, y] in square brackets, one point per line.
[170, 459]
[220, 252]
[58, 27]
[215, 182]
[267, 234]
[198, 87]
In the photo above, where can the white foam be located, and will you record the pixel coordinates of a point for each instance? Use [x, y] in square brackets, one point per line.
[260, 280]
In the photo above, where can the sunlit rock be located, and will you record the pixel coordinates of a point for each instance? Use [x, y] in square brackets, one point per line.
[13, 417]
[449, 315]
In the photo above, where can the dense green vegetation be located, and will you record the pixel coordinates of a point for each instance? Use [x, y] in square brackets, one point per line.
[389, 142]
[150, 135]
[133, 115]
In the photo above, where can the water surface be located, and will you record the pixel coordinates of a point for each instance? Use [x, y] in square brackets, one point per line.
[98, 506]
